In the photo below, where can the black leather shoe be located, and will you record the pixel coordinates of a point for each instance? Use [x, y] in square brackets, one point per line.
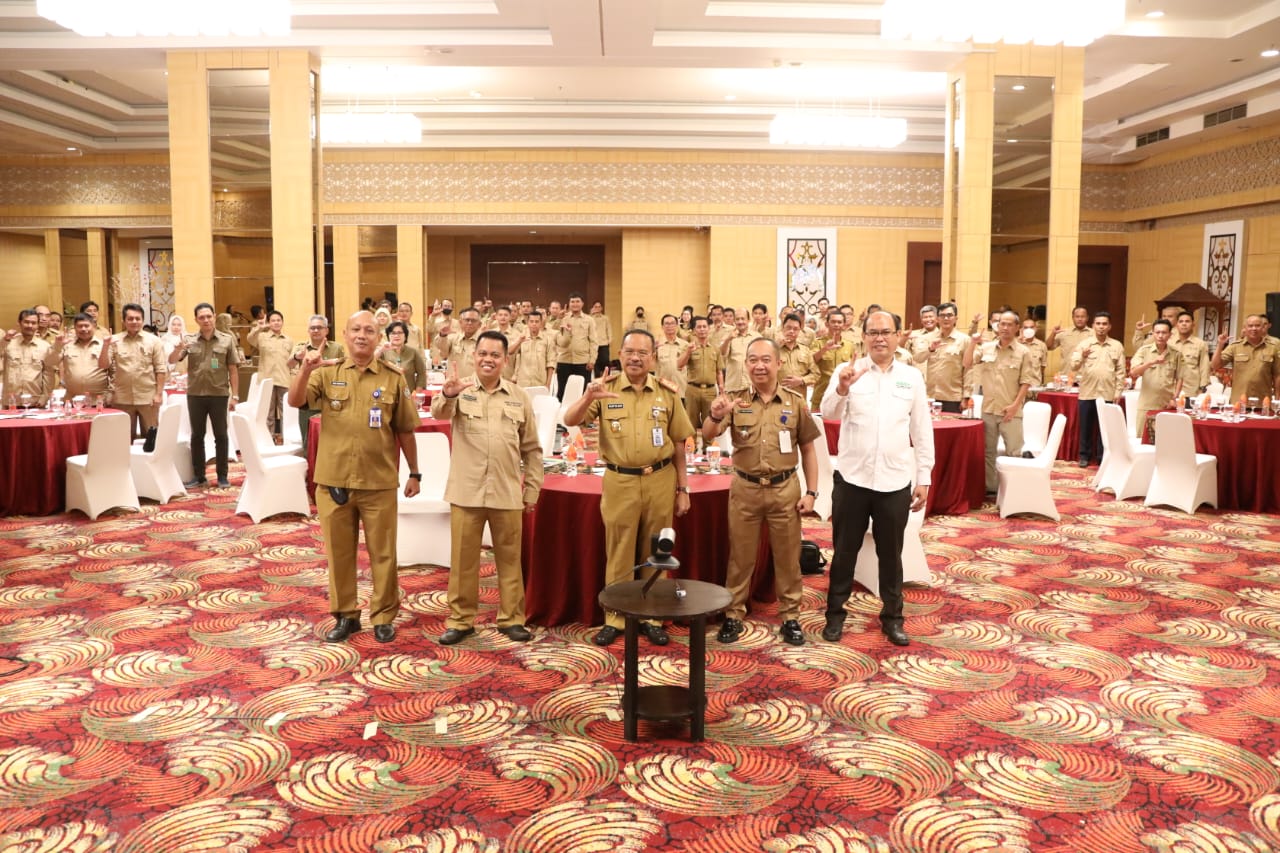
[343, 627]
[834, 628]
[224, 483]
[198, 483]
[455, 635]
[605, 636]
[791, 633]
[730, 631]
[896, 635]
[519, 633]
[656, 633]
[384, 633]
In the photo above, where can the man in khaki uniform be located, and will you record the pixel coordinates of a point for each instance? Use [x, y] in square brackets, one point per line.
[1005, 373]
[1039, 352]
[1100, 369]
[733, 353]
[138, 368]
[575, 345]
[366, 410]
[796, 369]
[274, 351]
[833, 350]
[643, 427]
[317, 341]
[82, 373]
[555, 314]
[1142, 330]
[1254, 361]
[673, 355]
[939, 355]
[604, 336]
[1195, 354]
[772, 430]
[459, 347]
[45, 318]
[1160, 367]
[502, 325]
[705, 373]
[30, 364]
[535, 354]
[213, 380]
[726, 326]
[928, 322]
[1067, 341]
[494, 478]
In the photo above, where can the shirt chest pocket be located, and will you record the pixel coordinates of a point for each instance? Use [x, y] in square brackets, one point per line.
[746, 425]
[1244, 357]
[513, 417]
[617, 422]
[471, 412]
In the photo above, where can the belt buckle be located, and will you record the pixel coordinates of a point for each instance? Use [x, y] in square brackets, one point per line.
[764, 481]
[648, 469]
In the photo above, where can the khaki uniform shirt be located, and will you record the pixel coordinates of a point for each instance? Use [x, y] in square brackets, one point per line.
[854, 338]
[1101, 375]
[604, 329]
[533, 359]
[1039, 356]
[1195, 362]
[641, 323]
[496, 457]
[1253, 369]
[414, 338]
[668, 355]
[756, 426]
[1001, 372]
[411, 363]
[735, 362]
[207, 363]
[943, 369]
[274, 352]
[353, 454]
[1160, 381]
[827, 363]
[797, 360]
[704, 365]
[576, 340]
[639, 428]
[80, 371]
[30, 368]
[719, 333]
[458, 350]
[1068, 340]
[139, 368]
[552, 324]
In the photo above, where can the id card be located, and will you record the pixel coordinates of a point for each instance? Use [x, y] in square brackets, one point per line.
[213, 362]
[375, 418]
[658, 440]
[784, 440]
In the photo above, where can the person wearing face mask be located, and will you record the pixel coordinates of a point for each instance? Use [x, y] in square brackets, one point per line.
[638, 320]
[441, 316]
[1039, 352]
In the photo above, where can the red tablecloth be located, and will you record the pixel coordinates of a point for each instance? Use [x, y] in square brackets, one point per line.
[33, 462]
[563, 549]
[427, 424]
[1066, 403]
[1248, 460]
[959, 475]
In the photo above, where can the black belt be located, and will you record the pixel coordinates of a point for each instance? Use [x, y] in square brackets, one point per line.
[638, 472]
[703, 384]
[768, 479]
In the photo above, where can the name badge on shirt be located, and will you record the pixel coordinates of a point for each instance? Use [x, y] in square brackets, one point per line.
[784, 440]
[375, 418]
[213, 362]
[658, 440]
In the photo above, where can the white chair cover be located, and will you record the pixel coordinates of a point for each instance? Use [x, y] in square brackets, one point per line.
[1035, 426]
[1023, 484]
[1182, 478]
[1126, 469]
[156, 473]
[271, 486]
[423, 535]
[100, 479]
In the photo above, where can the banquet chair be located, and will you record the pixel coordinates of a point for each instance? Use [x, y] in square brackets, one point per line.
[261, 402]
[822, 504]
[1183, 478]
[1035, 427]
[572, 391]
[1024, 483]
[1126, 469]
[291, 431]
[271, 486]
[546, 410]
[423, 535]
[535, 391]
[100, 479]
[1132, 417]
[915, 568]
[155, 474]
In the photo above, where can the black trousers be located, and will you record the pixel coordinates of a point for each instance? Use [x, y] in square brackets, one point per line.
[602, 358]
[1087, 427]
[215, 410]
[851, 508]
[952, 406]
[564, 371]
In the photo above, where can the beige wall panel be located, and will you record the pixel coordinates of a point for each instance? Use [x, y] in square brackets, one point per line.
[346, 274]
[73, 255]
[663, 270]
[410, 277]
[744, 267]
[25, 276]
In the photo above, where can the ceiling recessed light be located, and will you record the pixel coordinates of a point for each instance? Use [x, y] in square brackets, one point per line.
[1155, 13]
[475, 93]
[1018, 87]
[1011, 140]
[731, 97]
[72, 148]
[1269, 53]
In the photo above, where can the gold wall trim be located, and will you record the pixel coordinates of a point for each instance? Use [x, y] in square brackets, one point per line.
[85, 221]
[623, 220]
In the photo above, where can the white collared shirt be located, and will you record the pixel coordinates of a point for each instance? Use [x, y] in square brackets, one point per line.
[886, 434]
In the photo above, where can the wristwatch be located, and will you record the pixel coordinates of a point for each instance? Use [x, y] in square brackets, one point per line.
[682, 489]
[811, 493]
[415, 476]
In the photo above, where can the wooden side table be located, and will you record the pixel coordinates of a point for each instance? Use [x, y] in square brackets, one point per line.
[665, 702]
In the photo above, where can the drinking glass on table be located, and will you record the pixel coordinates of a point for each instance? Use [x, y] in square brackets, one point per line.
[1254, 404]
[25, 399]
[935, 407]
[77, 404]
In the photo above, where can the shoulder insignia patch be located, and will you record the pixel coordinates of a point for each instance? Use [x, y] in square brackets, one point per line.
[669, 385]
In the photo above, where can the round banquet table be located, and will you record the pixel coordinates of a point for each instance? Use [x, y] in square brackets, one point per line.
[33, 457]
[1066, 403]
[426, 424]
[959, 474]
[1248, 459]
[563, 548]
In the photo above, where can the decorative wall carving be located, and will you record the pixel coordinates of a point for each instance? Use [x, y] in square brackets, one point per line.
[79, 186]
[242, 213]
[1255, 165]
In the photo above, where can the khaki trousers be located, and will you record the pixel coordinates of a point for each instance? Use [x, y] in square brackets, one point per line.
[466, 527]
[340, 526]
[148, 416]
[993, 428]
[697, 402]
[633, 508]
[751, 505]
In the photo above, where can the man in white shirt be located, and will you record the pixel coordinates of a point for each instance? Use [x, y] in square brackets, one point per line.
[886, 443]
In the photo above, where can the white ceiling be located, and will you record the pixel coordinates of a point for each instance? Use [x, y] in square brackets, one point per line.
[674, 74]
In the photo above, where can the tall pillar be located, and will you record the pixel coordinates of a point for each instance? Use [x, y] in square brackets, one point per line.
[53, 272]
[346, 274]
[1064, 182]
[190, 181]
[411, 284]
[293, 212]
[966, 235]
[99, 284]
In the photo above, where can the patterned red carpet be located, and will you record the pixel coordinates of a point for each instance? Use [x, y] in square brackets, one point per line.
[1104, 685]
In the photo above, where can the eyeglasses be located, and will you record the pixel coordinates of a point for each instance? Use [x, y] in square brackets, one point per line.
[316, 328]
[947, 314]
[879, 333]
